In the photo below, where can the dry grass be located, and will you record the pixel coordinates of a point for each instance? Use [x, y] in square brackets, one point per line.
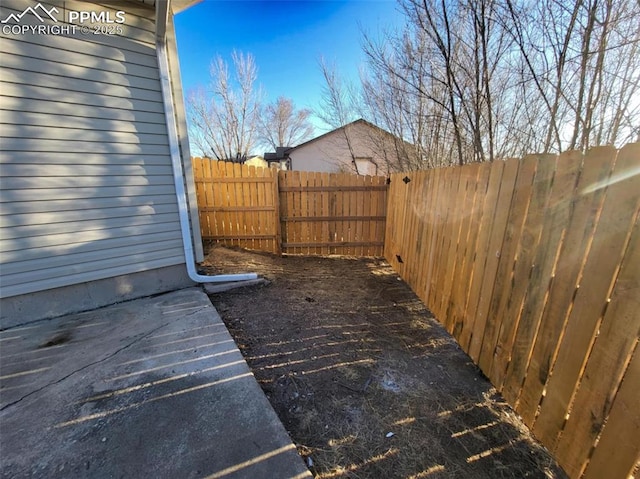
[347, 355]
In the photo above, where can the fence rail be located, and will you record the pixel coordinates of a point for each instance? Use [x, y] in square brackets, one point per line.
[290, 212]
[534, 266]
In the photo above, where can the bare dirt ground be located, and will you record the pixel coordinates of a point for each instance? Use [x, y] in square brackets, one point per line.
[364, 379]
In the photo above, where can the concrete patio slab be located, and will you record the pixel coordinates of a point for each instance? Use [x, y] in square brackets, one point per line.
[154, 387]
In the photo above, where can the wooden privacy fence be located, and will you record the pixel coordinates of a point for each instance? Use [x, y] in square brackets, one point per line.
[238, 205]
[534, 266]
[293, 212]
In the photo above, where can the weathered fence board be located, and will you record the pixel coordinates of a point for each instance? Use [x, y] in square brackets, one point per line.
[618, 446]
[533, 265]
[556, 218]
[293, 212]
[332, 213]
[607, 363]
[237, 204]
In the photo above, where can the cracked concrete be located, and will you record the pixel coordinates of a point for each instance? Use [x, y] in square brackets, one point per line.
[149, 388]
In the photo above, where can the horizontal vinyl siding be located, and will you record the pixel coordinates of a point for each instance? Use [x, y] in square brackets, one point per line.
[85, 229]
[74, 158]
[86, 189]
[17, 170]
[102, 214]
[63, 133]
[48, 194]
[92, 87]
[75, 257]
[79, 123]
[70, 100]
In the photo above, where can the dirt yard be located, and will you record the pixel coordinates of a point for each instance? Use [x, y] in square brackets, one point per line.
[364, 379]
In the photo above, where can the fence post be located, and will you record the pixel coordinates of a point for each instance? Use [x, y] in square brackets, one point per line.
[276, 205]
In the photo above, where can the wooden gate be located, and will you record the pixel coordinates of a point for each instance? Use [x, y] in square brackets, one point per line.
[323, 213]
[291, 212]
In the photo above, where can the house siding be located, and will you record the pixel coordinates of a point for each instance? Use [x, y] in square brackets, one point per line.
[329, 154]
[373, 150]
[87, 188]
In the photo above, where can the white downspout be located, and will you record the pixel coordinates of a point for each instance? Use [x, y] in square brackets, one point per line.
[162, 11]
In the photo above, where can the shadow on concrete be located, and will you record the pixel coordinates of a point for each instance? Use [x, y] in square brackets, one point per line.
[149, 388]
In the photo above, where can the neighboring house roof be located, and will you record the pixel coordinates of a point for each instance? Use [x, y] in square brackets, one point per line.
[281, 153]
[360, 121]
[359, 146]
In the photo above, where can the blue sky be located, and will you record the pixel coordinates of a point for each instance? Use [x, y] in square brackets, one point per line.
[287, 38]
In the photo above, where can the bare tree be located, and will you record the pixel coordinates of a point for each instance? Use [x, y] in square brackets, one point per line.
[585, 66]
[443, 68]
[339, 99]
[404, 116]
[282, 125]
[338, 106]
[224, 122]
[343, 103]
[475, 80]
